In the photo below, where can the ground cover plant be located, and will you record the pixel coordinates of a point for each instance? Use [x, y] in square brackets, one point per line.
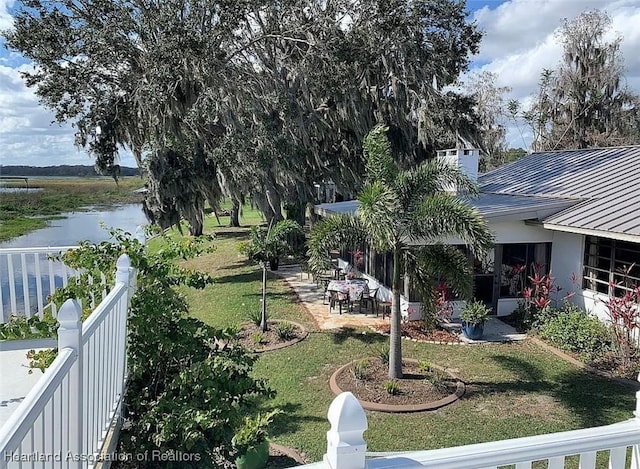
[25, 211]
[513, 390]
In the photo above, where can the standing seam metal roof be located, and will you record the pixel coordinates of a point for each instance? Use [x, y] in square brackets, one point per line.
[606, 180]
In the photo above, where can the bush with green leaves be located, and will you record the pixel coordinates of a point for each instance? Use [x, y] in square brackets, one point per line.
[21, 327]
[574, 330]
[383, 354]
[286, 330]
[392, 387]
[187, 391]
[360, 370]
[255, 317]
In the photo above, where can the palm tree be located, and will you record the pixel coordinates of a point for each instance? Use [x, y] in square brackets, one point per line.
[407, 213]
[267, 247]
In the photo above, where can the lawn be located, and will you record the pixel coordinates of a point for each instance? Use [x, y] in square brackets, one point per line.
[513, 389]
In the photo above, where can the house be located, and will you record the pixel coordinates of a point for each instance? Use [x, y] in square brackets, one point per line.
[575, 212]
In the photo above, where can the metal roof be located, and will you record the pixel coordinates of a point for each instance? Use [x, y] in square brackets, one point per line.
[603, 180]
[491, 206]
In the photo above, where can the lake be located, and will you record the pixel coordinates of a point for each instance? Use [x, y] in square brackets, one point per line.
[79, 226]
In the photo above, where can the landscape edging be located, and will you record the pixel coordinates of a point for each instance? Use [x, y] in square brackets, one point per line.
[584, 366]
[406, 408]
[271, 348]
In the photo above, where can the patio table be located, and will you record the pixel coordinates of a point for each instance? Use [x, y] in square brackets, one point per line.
[354, 288]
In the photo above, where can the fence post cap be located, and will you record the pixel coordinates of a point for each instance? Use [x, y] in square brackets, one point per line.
[346, 448]
[346, 414]
[70, 314]
[124, 262]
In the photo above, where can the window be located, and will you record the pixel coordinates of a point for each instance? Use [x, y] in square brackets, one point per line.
[517, 264]
[608, 262]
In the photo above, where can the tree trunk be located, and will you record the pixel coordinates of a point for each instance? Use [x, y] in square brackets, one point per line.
[296, 212]
[263, 206]
[263, 317]
[274, 200]
[235, 213]
[395, 339]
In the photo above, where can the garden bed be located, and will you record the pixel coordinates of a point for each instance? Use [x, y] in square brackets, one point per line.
[279, 334]
[423, 386]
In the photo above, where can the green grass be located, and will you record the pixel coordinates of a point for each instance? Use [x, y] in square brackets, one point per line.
[22, 212]
[513, 390]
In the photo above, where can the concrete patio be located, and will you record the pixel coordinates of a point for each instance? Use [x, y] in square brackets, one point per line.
[311, 297]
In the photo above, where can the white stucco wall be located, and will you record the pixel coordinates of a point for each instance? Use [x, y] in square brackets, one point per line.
[519, 232]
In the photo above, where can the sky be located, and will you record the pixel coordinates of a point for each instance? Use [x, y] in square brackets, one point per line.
[518, 44]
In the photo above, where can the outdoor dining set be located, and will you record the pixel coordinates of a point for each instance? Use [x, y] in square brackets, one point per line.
[342, 292]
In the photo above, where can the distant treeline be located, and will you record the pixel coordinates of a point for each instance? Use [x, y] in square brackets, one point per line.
[63, 170]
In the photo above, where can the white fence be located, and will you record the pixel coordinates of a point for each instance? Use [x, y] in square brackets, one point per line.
[27, 278]
[346, 447]
[64, 420]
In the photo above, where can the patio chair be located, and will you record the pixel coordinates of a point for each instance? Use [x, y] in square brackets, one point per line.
[382, 305]
[323, 283]
[369, 298]
[338, 298]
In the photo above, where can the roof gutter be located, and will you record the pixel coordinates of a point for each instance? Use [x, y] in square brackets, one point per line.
[589, 232]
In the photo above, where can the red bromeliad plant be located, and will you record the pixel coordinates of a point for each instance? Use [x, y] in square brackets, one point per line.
[624, 315]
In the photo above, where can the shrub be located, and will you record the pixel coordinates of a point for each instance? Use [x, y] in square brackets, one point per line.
[286, 330]
[384, 354]
[438, 379]
[186, 389]
[257, 337]
[574, 330]
[424, 366]
[20, 327]
[392, 387]
[255, 317]
[360, 370]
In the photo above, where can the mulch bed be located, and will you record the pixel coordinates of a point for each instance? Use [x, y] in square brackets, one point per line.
[253, 338]
[416, 386]
[283, 456]
[415, 330]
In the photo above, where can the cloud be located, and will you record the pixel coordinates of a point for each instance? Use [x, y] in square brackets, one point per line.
[28, 133]
[520, 41]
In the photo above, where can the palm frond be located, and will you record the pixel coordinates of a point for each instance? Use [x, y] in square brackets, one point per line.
[379, 212]
[444, 215]
[334, 232]
[377, 151]
[439, 262]
[432, 177]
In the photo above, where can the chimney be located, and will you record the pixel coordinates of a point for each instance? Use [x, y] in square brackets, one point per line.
[464, 158]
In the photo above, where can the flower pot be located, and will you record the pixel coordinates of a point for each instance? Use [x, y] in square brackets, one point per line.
[255, 457]
[473, 331]
[273, 263]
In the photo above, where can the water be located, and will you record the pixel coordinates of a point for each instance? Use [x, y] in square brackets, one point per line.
[69, 231]
[79, 226]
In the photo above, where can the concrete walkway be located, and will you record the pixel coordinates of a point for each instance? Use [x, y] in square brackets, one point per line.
[311, 296]
[16, 381]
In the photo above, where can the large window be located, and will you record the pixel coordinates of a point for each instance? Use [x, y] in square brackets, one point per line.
[518, 262]
[610, 265]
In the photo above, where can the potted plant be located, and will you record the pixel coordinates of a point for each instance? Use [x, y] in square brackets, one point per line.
[250, 441]
[473, 316]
